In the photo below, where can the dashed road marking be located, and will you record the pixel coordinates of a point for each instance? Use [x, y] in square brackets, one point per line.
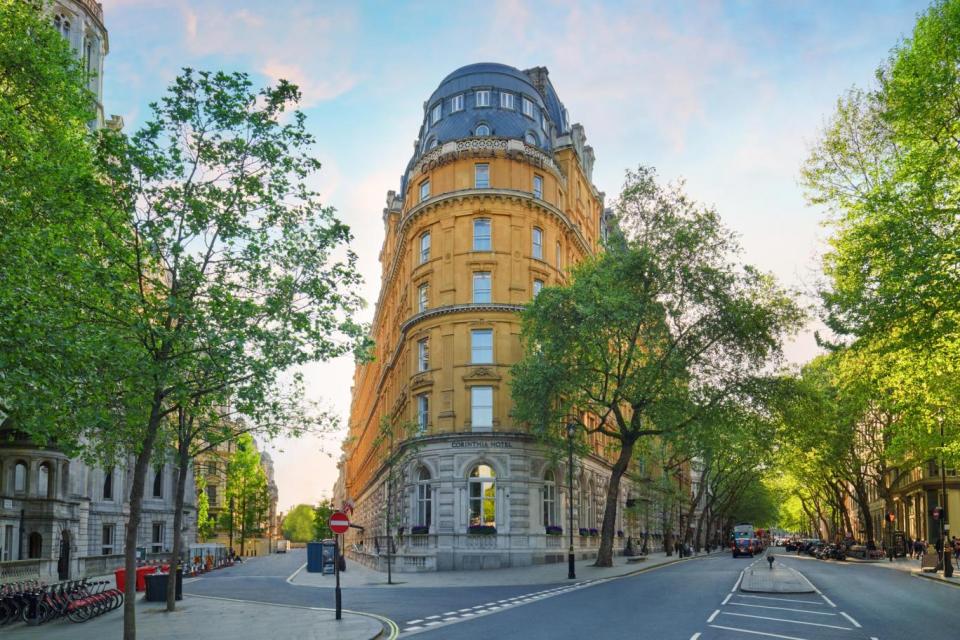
[765, 606]
[726, 600]
[757, 633]
[848, 617]
[811, 624]
[695, 636]
[737, 584]
[713, 615]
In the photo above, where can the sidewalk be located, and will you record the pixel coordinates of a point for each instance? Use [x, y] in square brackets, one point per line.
[358, 575]
[912, 566]
[760, 578]
[211, 619]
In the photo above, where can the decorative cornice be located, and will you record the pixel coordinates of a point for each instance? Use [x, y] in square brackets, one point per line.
[485, 147]
[457, 308]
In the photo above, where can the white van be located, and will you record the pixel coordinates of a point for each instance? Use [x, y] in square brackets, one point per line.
[282, 546]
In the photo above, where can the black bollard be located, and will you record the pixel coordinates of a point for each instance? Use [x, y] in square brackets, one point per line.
[947, 565]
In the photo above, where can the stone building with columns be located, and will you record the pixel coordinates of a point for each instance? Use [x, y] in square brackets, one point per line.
[56, 509]
[496, 202]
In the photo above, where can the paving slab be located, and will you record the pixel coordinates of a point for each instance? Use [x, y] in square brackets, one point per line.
[211, 619]
[358, 575]
[760, 578]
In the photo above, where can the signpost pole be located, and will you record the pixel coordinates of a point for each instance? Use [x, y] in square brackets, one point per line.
[336, 570]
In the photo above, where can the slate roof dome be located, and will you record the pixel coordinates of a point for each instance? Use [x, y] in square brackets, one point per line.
[492, 99]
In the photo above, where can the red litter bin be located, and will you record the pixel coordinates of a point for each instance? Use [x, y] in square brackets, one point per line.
[121, 577]
[142, 573]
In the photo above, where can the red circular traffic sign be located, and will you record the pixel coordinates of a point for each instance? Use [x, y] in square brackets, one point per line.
[339, 523]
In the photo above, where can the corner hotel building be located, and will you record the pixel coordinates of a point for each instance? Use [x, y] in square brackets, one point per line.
[496, 202]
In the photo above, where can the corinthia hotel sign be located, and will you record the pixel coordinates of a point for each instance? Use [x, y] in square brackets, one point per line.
[481, 444]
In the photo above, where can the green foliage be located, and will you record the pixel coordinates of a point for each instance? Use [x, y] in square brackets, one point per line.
[300, 524]
[756, 504]
[246, 491]
[206, 527]
[321, 521]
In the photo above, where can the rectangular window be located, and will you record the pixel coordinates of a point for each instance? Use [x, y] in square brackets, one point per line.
[424, 190]
[506, 100]
[481, 408]
[423, 297]
[559, 265]
[424, 247]
[481, 346]
[483, 98]
[481, 176]
[8, 542]
[537, 287]
[212, 495]
[527, 108]
[423, 355]
[481, 234]
[538, 187]
[157, 538]
[106, 541]
[481, 287]
[538, 243]
[543, 121]
[423, 412]
[436, 113]
[456, 103]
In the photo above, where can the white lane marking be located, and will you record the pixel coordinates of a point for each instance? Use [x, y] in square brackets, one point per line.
[764, 606]
[726, 600]
[432, 617]
[712, 616]
[847, 616]
[294, 574]
[743, 595]
[430, 624]
[450, 613]
[413, 629]
[450, 618]
[812, 624]
[695, 636]
[417, 621]
[829, 601]
[757, 633]
[737, 583]
[462, 610]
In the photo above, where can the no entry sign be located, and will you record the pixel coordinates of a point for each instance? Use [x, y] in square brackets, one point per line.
[339, 523]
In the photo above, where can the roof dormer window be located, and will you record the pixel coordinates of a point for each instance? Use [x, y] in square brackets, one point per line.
[456, 103]
[506, 100]
[482, 130]
[527, 108]
[483, 98]
[436, 113]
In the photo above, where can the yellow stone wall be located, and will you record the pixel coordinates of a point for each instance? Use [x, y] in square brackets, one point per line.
[569, 214]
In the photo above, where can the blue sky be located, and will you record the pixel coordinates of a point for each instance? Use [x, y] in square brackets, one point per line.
[728, 96]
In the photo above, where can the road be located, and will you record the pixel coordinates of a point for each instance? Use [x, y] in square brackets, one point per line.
[689, 600]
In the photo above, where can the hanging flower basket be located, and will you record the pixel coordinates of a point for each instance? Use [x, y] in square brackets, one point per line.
[619, 533]
[419, 530]
[482, 529]
[594, 533]
[584, 532]
[554, 530]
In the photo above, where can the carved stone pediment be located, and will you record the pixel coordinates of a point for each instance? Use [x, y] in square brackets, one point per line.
[482, 373]
[421, 380]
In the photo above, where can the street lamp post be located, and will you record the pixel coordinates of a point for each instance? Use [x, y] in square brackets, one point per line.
[944, 554]
[571, 570]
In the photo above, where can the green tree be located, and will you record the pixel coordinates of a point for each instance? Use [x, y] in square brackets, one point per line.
[206, 527]
[246, 493]
[651, 334]
[300, 524]
[321, 521]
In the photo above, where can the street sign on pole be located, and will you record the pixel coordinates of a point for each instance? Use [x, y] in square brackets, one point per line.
[339, 523]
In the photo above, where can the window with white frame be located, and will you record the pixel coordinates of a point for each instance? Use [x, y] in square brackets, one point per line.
[20, 477]
[483, 98]
[482, 130]
[549, 499]
[481, 234]
[482, 284]
[433, 143]
[156, 538]
[531, 138]
[423, 297]
[537, 243]
[559, 256]
[423, 412]
[424, 247]
[537, 287]
[424, 498]
[538, 186]
[527, 108]
[506, 100]
[106, 539]
[43, 480]
[481, 408]
[423, 354]
[481, 176]
[436, 113]
[483, 496]
[424, 190]
[456, 103]
[543, 121]
[481, 346]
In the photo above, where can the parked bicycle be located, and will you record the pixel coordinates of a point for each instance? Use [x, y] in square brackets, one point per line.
[78, 600]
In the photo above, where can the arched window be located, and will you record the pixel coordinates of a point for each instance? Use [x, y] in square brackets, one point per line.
[531, 138]
[482, 130]
[549, 499]
[20, 477]
[35, 545]
[158, 482]
[432, 143]
[108, 485]
[483, 496]
[424, 498]
[62, 25]
[43, 480]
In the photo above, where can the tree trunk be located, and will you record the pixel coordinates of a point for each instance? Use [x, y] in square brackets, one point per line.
[183, 461]
[140, 468]
[605, 553]
[698, 541]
